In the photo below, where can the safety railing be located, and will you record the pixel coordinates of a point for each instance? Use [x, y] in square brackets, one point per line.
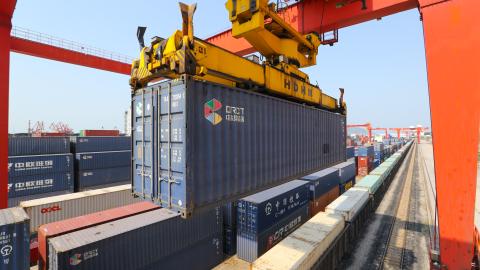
[34, 36]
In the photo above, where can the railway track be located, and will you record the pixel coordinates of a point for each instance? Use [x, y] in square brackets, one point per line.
[393, 256]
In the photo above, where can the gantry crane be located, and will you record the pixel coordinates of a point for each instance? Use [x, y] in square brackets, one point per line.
[367, 126]
[384, 129]
[285, 50]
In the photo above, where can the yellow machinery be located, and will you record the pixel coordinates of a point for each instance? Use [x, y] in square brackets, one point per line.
[284, 48]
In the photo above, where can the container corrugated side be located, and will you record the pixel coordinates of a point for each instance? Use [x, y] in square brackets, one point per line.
[28, 185]
[102, 160]
[40, 164]
[14, 239]
[233, 142]
[62, 227]
[229, 240]
[136, 242]
[346, 170]
[262, 210]
[349, 203]
[322, 181]
[100, 177]
[100, 144]
[229, 211]
[250, 246]
[203, 255]
[51, 209]
[13, 202]
[311, 241]
[350, 153]
[25, 146]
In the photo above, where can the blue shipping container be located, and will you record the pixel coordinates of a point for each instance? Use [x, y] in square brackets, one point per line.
[102, 160]
[41, 164]
[251, 246]
[14, 239]
[205, 254]
[101, 177]
[346, 170]
[260, 211]
[25, 146]
[376, 163]
[40, 184]
[378, 155]
[229, 241]
[322, 182]
[143, 241]
[185, 131]
[350, 152]
[366, 151]
[101, 144]
[229, 211]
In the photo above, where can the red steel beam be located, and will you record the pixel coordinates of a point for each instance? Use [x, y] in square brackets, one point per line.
[452, 39]
[321, 16]
[41, 50]
[6, 11]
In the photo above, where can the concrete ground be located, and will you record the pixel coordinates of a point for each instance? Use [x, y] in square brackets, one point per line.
[373, 247]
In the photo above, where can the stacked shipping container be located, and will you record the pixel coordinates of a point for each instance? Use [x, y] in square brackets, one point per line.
[198, 144]
[14, 239]
[267, 217]
[152, 240]
[101, 161]
[324, 188]
[230, 228]
[365, 157]
[38, 166]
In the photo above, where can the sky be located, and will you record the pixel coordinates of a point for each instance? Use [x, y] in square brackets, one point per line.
[381, 63]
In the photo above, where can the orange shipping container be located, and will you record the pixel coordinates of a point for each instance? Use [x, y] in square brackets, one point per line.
[319, 204]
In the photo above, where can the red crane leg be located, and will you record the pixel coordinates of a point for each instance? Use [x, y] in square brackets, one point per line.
[452, 39]
[5, 27]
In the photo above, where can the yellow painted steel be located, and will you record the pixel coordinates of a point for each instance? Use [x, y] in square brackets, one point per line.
[182, 53]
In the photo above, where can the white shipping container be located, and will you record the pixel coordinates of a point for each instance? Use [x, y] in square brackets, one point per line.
[349, 203]
[56, 208]
[302, 249]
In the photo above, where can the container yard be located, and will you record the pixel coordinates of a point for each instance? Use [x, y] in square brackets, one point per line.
[256, 148]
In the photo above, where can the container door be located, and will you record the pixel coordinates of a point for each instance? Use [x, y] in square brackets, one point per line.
[143, 113]
[171, 145]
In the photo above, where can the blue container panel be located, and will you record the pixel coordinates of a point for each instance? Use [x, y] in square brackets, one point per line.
[229, 211]
[366, 151]
[40, 164]
[205, 254]
[101, 144]
[144, 154]
[25, 146]
[39, 184]
[350, 152]
[251, 246]
[14, 240]
[229, 241]
[255, 217]
[102, 160]
[346, 170]
[100, 177]
[322, 182]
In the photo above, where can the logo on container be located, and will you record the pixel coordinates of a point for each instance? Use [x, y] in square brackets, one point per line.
[10, 166]
[76, 259]
[6, 250]
[268, 209]
[50, 209]
[210, 109]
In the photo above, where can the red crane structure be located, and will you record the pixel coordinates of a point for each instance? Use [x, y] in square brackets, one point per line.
[384, 129]
[367, 126]
[451, 39]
